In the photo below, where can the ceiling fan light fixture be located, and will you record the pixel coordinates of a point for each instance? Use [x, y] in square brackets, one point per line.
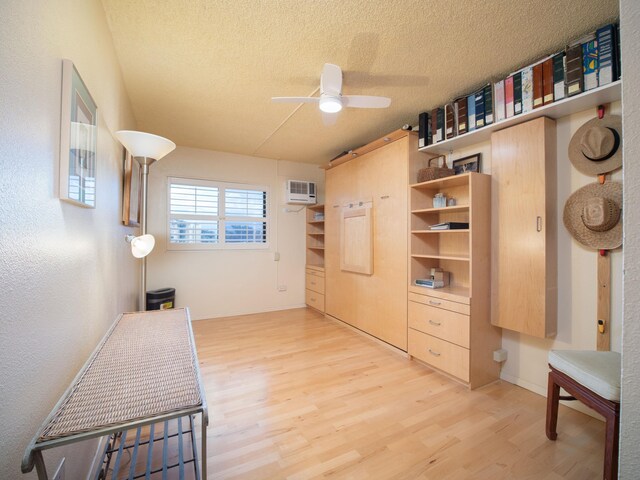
[330, 104]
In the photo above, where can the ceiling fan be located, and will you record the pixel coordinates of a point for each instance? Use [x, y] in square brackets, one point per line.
[331, 99]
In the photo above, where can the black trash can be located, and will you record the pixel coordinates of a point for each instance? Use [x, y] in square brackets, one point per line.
[161, 299]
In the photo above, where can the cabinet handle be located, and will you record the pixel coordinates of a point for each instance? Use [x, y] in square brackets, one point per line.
[437, 324]
[336, 206]
[313, 299]
[539, 224]
[384, 197]
[435, 354]
[434, 303]
[312, 283]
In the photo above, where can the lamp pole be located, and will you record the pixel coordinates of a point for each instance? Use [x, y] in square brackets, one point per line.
[145, 163]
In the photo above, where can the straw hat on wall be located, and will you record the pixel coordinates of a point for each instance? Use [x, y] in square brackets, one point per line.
[593, 215]
[595, 148]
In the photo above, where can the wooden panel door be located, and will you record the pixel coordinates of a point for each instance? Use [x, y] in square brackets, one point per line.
[524, 278]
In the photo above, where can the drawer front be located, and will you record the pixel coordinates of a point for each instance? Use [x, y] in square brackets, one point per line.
[444, 324]
[445, 356]
[315, 300]
[315, 283]
[315, 273]
[440, 303]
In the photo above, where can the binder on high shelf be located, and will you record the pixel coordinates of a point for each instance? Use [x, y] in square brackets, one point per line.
[498, 95]
[480, 108]
[517, 93]
[607, 54]
[450, 121]
[508, 97]
[575, 80]
[590, 64]
[460, 106]
[434, 126]
[617, 50]
[537, 85]
[559, 90]
[527, 89]
[424, 130]
[547, 81]
[471, 112]
[440, 123]
[488, 104]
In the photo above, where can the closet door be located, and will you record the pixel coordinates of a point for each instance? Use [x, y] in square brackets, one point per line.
[524, 271]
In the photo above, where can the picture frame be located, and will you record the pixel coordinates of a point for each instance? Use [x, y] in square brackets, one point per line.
[78, 140]
[467, 164]
[130, 190]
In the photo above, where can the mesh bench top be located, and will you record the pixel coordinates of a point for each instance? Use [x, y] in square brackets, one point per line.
[144, 367]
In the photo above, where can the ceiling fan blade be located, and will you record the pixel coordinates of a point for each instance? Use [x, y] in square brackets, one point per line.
[331, 79]
[365, 101]
[329, 119]
[295, 99]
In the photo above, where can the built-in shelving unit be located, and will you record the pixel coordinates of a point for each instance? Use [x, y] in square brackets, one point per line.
[314, 278]
[567, 106]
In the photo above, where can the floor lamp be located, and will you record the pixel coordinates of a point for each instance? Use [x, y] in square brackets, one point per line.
[146, 148]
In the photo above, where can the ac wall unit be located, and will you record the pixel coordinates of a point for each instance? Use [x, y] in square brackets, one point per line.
[301, 192]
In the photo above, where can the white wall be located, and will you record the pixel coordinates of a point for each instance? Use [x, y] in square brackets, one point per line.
[577, 277]
[217, 283]
[65, 271]
[630, 420]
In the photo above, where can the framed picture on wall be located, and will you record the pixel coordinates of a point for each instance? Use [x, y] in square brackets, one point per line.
[131, 191]
[467, 164]
[78, 140]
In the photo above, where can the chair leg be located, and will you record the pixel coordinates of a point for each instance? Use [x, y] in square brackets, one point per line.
[611, 445]
[553, 400]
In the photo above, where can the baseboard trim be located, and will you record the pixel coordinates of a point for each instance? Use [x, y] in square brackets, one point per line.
[251, 312]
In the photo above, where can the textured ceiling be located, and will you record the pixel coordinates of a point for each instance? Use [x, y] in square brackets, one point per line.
[202, 72]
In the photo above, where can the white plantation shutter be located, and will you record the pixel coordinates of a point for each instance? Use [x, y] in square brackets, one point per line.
[205, 214]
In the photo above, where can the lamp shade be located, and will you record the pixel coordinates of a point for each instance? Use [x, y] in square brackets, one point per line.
[141, 246]
[141, 144]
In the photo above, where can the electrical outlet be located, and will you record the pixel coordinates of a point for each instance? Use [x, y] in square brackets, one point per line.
[282, 288]
[59, 475]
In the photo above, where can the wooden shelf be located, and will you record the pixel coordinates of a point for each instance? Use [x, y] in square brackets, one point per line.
[445, 292]
[455, 230]
[451, 181]
[319, 234]
[463, 258]
[562, 108]
[315, 236]
[317, 208]
[316, 248]
[315, 221]
[456, 208]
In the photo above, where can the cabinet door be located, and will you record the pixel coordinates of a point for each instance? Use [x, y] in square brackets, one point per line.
[524, 275]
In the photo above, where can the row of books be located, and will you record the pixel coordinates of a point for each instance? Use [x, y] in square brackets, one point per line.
[590, 62]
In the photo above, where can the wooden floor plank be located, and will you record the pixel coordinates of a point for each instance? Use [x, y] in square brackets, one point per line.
[293, 395]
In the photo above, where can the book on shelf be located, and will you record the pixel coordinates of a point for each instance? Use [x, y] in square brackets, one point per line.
[527, 89]
[424, 130]
[590, 63]
[537, 86]
[460, 108]
[547, 81]
[607, 54]
[574, 78]
[488, 104]
[559, 86]
[450, 121]
[508, 97]
[498, 95]
[517, 93]
[471, 112]
[450, 226]
[480, 108]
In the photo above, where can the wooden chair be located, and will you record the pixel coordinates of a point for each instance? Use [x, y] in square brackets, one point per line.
[594, 379]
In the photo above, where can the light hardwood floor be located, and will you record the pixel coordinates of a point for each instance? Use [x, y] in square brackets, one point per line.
[293, 395]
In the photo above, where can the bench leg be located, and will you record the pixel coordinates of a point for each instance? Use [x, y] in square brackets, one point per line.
[553, 400]
[611, 445]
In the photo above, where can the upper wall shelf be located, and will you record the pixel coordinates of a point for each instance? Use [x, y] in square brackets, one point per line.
[606, 94]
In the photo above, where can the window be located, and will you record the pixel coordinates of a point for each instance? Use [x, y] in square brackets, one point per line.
[212, 215]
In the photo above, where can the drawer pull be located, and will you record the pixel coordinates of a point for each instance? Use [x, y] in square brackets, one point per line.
[435, 354]
[313, 299]
[434, 303]
[437, 324]
[312, 283]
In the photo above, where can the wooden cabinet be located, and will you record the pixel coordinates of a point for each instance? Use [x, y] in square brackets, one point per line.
[314, 273]
[450, 327]
[373, 300]
[524, 268]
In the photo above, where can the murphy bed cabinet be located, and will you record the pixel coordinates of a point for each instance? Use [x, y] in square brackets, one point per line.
[524, 270]
[314, 273]
[366, 237]
[450, 327]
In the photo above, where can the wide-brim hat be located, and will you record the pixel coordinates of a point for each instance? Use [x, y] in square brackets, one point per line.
[596, 147]
[593, 215]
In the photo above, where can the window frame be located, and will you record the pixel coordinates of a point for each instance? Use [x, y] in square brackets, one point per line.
[221, 218]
